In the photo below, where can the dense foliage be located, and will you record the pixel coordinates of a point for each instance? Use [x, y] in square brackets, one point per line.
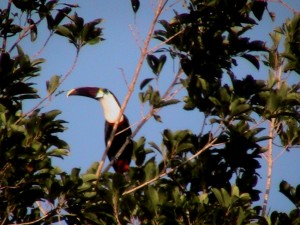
[204, 178]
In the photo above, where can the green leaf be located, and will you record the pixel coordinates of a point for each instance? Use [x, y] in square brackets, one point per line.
[152, 199]
[218, 195]
[90, 194]
[89, 177]
[185, 147]
[167, 102]
[239, 109]
[215, 101]
[150, 169]
[57, 152]
[93, 218]
[226, 197]
[235, 191]
[204, 198]
[273, 102]
[155, 99]
[62, 13]
[139, 151]
[53, 84]
[64, 31]
[75, 174]
[84, 187]
[155, 146]
[51, 115]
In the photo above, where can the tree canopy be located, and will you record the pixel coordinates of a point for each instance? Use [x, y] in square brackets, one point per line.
[209, 177]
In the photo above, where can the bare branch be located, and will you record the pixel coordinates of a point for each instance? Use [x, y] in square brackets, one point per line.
[288, 7]
[269, 156]
[44, 46]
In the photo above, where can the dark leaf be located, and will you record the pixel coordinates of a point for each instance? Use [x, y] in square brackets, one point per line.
[153, 62]
[145, 82]
[238, 109]
[50, 22]
[162, 60]
[135, 5]
[251, 59]
[33, 30]
[155, 146]
[257, 46]
[62, 13]
[258, 8]
[157, 118]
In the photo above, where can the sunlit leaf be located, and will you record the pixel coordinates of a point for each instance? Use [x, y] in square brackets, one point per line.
[53, 84]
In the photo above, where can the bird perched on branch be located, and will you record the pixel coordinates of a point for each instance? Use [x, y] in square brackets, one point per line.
[111, 108]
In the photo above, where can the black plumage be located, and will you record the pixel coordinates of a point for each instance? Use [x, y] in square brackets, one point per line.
[111, 108]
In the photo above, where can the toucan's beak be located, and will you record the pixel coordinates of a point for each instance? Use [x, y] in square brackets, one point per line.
[91, 92]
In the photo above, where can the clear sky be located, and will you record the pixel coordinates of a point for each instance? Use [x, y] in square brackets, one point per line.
[106, 64]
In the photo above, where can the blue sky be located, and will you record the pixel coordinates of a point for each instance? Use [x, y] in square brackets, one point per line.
[103, 64]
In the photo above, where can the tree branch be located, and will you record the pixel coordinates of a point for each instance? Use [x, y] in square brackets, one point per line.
[53, 91]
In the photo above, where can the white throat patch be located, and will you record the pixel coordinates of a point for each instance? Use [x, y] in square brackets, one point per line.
[111, 108]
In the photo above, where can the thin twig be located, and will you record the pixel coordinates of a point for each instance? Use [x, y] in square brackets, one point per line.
[33, 222]
[53, 91]
[164, 42]
[280, 153]
[44, 45]
[44, 212]
[22, 35]
[124, 77]
[135, 36]
[288, 7]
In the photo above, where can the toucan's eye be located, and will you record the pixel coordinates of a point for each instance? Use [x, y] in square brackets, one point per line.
[105, 91]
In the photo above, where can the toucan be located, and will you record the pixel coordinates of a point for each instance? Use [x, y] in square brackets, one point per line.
[111, 108]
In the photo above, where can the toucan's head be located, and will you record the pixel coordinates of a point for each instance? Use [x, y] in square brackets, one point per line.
[91, 92]
[109, 102]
